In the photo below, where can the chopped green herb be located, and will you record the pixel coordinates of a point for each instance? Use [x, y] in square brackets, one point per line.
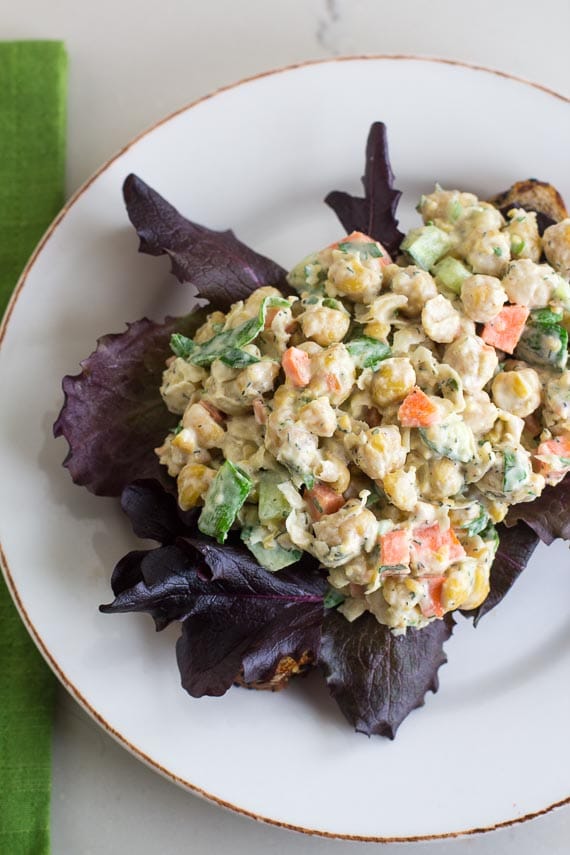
[497, 250]
[237, 358]
[515, 472]
[230, 340]
[479, 524]
[331, 303]
[368, 352]
[367, 250]
[181, 346]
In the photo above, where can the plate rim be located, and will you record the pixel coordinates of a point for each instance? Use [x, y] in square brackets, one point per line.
[5, 568]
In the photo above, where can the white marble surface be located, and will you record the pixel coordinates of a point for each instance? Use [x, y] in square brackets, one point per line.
[131, 62]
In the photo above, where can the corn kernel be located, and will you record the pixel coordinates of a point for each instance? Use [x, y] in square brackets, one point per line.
[377, 330]
[185, 440]
[193, 482]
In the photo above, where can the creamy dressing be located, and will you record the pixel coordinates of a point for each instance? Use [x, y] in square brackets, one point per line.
[387, 417]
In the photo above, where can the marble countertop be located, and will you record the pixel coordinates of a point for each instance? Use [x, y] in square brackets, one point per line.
[130, 64]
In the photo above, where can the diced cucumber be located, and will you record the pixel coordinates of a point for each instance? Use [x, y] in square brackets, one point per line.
[226, 494]
[368, 352]
[543, 340]
[516, 471]
[561, 290]
[426, 245]
[452, 438]
[450, 273]
[273, 557]
[273, 506]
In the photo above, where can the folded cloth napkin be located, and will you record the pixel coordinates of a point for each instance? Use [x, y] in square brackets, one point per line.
[32, 152]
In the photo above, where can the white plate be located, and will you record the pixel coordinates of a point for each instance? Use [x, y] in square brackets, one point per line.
[492, 746]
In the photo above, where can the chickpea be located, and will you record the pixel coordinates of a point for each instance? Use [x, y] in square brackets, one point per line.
[528, 284]
[474, 361]
[415, 284]
[392, 381]
[377, 451]
[482, 297]
[517, 392]
[325, 326]
[556, 243]
[193, 482]
[522, 229]
[359, 279]
[440, 320]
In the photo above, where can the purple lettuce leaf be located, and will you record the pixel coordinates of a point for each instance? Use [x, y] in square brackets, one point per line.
[155, 514]
[113, 416]
[378, 678]
[548, 516]
[162, 582]
[375, 214]
[516, 546]
[221, 268]
[238, 618]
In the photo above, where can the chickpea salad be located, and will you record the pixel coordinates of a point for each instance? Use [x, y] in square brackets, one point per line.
[386, 418]
[335, 461]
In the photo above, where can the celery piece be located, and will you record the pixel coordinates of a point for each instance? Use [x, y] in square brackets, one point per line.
[226, 494]
[450, 273]
[273, 557]
[426, 245]
[273, 506]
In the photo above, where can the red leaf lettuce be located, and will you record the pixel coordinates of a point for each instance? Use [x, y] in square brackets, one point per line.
[113, 416]
[221, 268]
[375, 214]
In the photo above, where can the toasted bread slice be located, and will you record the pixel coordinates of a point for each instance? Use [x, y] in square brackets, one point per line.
[532, 195]
[286, 668]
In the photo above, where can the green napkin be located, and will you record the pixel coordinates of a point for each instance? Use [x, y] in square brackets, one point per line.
[32, 152]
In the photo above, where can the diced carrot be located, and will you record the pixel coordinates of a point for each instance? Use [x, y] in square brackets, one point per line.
[360, 237]
[214, 412]
[506, 328]
[428, 540]
[333, 383]
[553, 456]
[417, 410]
[394, 548]
[260, 411]
[297, 366]
[560, 446]
[431, 605]
[270, 317]
[322, 500]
